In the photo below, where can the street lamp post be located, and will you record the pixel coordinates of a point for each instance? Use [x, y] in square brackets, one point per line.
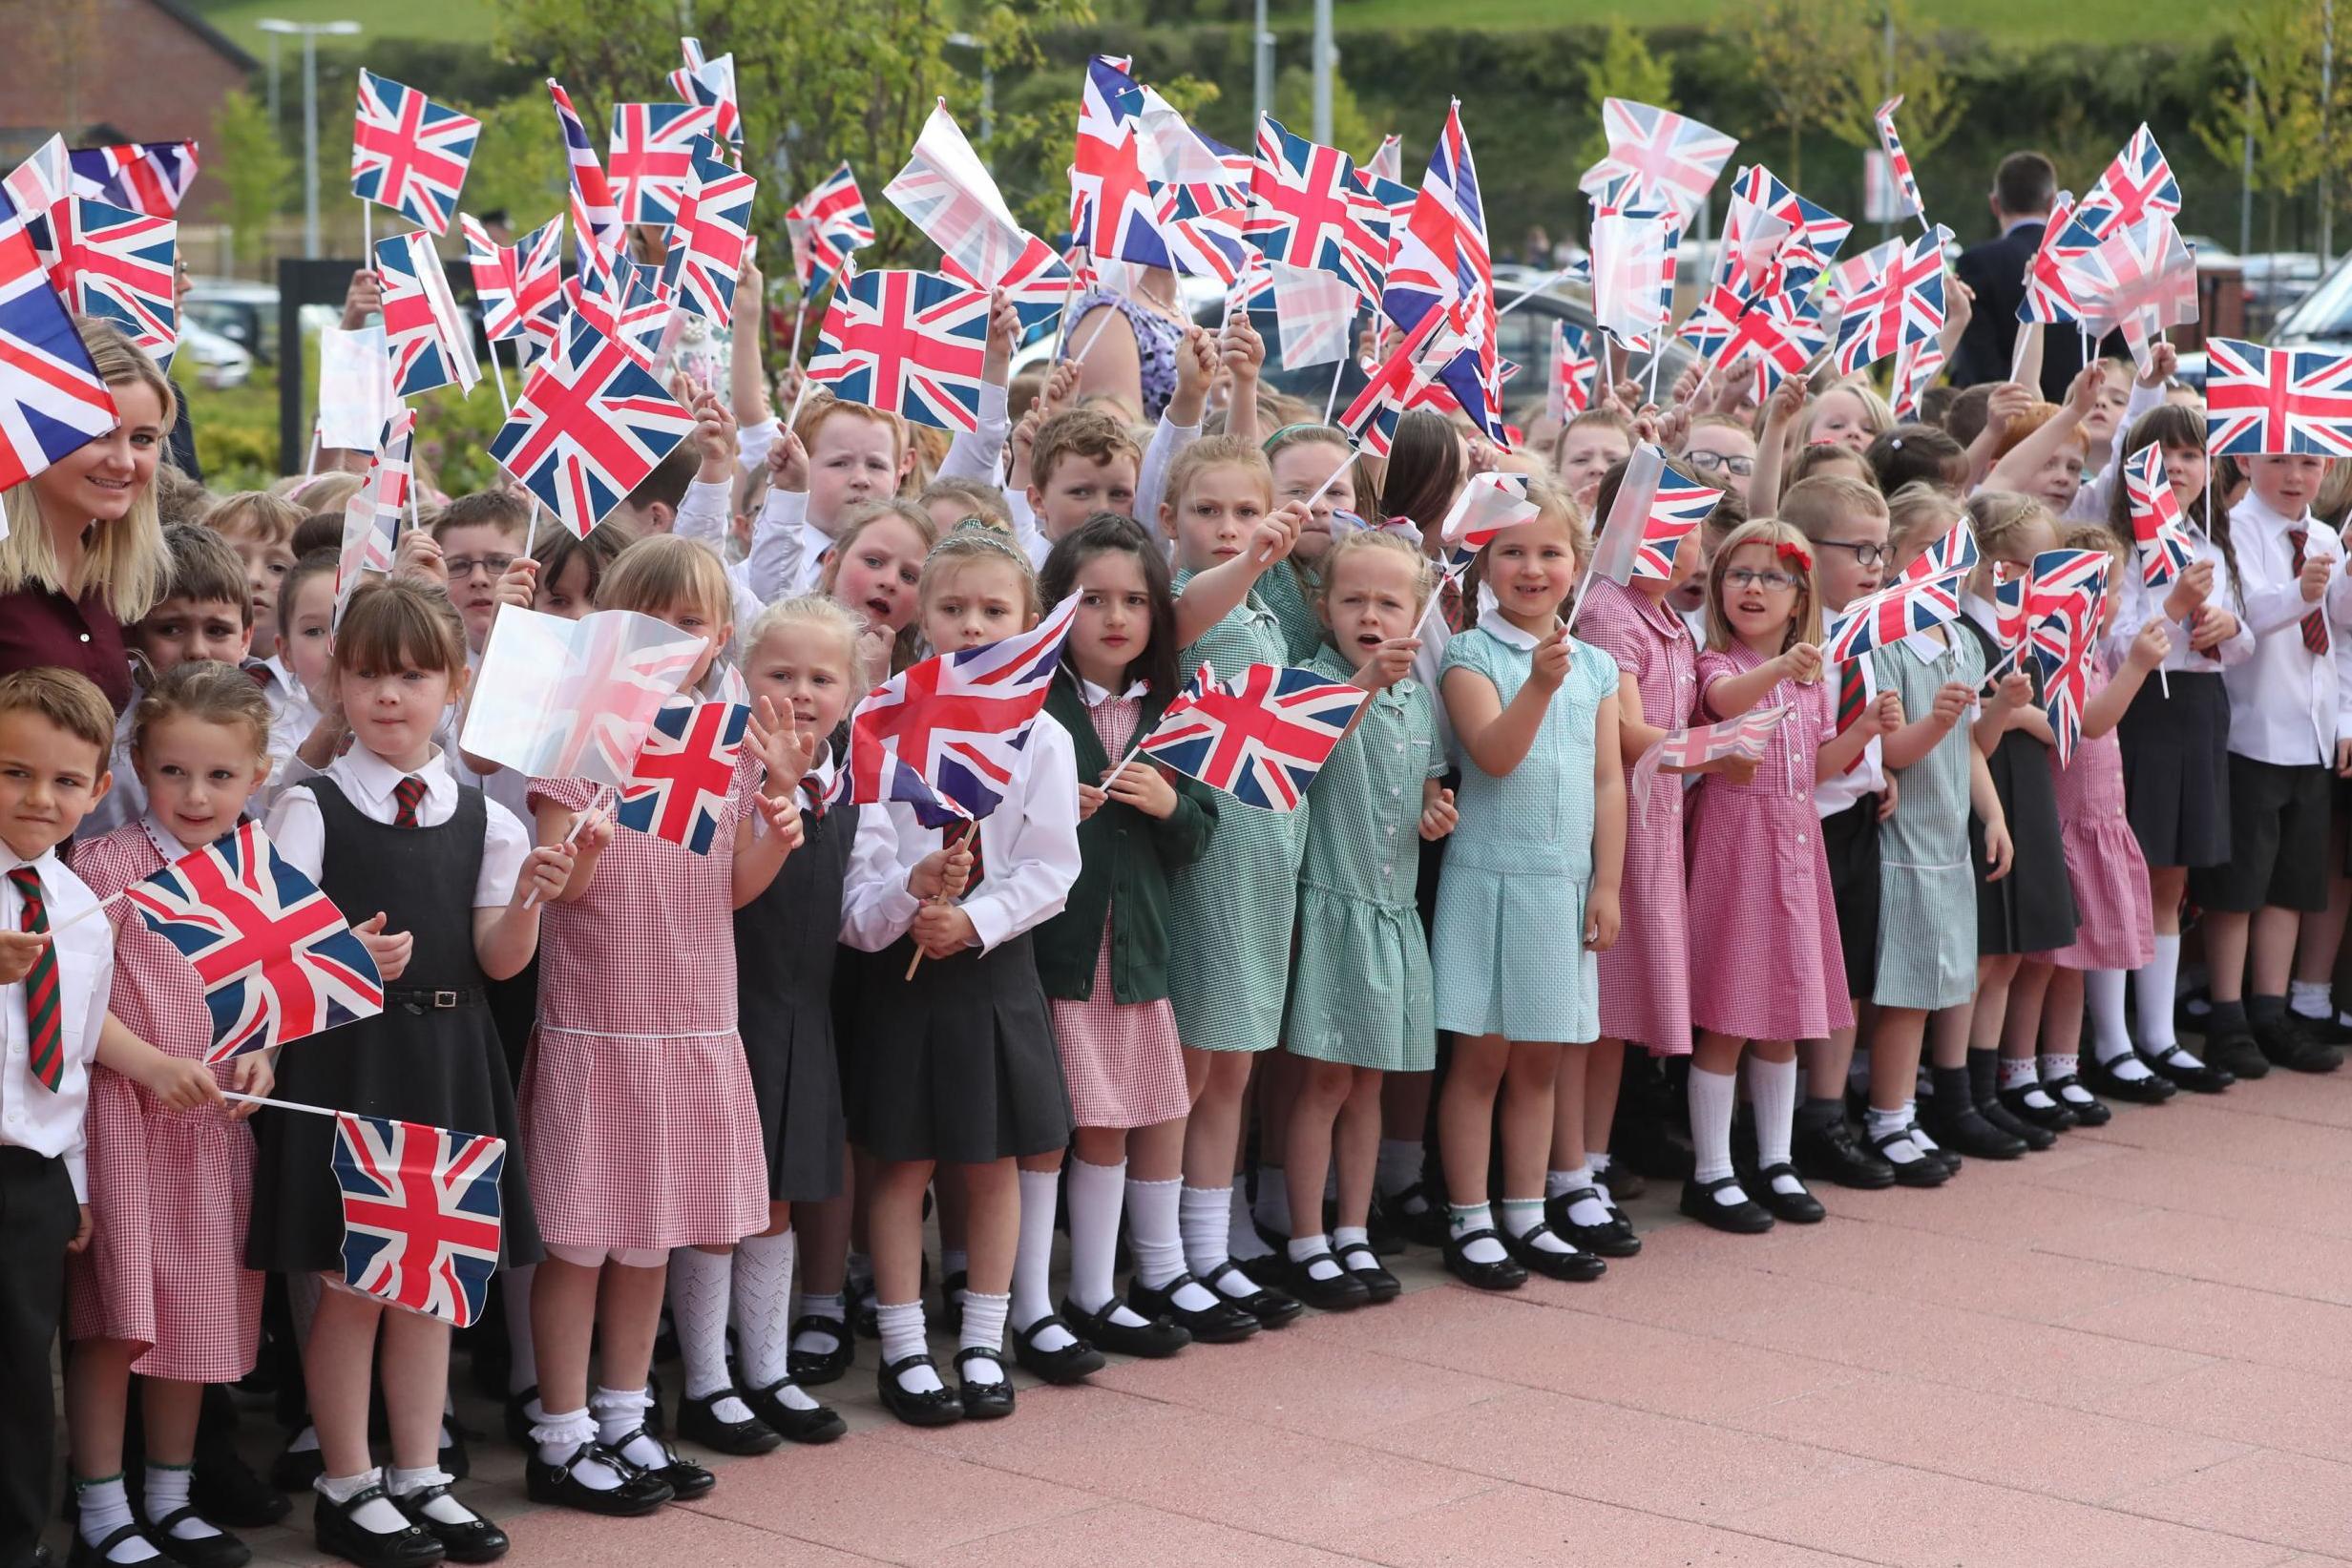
[309, 32]
[988, 88]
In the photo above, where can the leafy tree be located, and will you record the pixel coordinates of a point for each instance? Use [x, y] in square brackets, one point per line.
[1623, 69]
[2276, 100]
[256, 168]
[1802, 55]
[1932, 97]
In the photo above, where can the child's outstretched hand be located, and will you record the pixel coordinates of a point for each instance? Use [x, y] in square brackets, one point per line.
[714, 438]
[251, 1073]
[1551, 661]
[390, 952]
[1196, 365]
[1004, 338]
[1438, 818]
[1144, 787]
[2163, 359]
[2149, 648]
[1787, 402]
[772, 739]
[1242, 349]
[17, 952]
[2190, 590]
[182, 1083]
[1390, 662]
[546, 871]
[1884, 715]
[2007, 401]
[2089, 384]
[362, 298]
[1801, 663]
[1601, 920]
[519, 585]
[1061, 389]
[2313, 581]
[1953, 700]
[1090, 799]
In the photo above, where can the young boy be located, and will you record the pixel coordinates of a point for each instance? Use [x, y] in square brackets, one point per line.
[260, 527]
[205, 613]
[480, 535]
[55, 730]
[1082, 462]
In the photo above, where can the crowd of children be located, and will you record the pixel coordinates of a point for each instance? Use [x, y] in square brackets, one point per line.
[1466, 995]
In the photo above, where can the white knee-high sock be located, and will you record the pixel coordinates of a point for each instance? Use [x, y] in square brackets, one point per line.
[763, 1306]
[1206, 1215]
[699, 1285]
[1772, 1094]
[1097, 1194]
[1033, 1264]
[2153, 987]
[1711, 1098]
[2112, 1035]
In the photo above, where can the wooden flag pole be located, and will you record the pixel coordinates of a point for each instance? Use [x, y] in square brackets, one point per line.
[971, 826]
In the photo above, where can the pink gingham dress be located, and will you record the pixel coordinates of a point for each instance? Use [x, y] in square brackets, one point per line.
[2114, 923]
[1765, 963]
[168, 1193]
[638, 1113]
[1644, 993]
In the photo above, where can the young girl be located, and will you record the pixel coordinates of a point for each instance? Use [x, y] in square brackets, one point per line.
[1766, 969]
[1539, 850]
[1360, 1007]
[873, 569]
[161, 1291]
[955, 1066]
[1302, 456]
[637, 1084]
[2113, 931]
[1927, 902]
[1850, 413]
[1104, 959]
[457, 890]
[1591, 444]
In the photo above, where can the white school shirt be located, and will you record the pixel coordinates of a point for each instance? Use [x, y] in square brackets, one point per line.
[2141, 604]
[2285, 701]
[367, 780]
[45, 1120]
[1028, 851]
[1168, 439]
[771, 569]
[979, 455]
[752, 441]
[1868, 777]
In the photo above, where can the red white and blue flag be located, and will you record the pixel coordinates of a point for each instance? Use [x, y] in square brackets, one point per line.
[1903, 305]
[2139, 280]
[948, 194]
[1781, 336]
[428, 346]
[1656, 161]
[596, 218]
[371, 515]
[409, 153]
[2010, 603]
[1371, 419]
[912, 343]
[1307, 209]
[1746, 736]
[51, 398]
[1567, 388]
[2065, 690]
[587, 428]
[1035, 285]
[2268, 401]
[2063, 597]
[151, 177]
[943, 736]
[680, 785]
[650, 159]
[1261, 736]
[712, 231]
[1915, 364]
[1442, 261]
[640, 320]
[1489, 504]
[2157, 527]
[276, 959]
[2050, 284]
[520, 287]
[1634, 274]
[1114, 213]
[2139, 184]
[1911, 604]
[117, 264]
[1656, 508]
[1200, 225]
[1899, 162]
[1955, 552]
[558, 698]
[1388, 161]
[710, 82]
[422, 1219]
[1776, 241]
[825, 226]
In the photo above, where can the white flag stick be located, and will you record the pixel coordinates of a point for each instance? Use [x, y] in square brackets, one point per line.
[499, 371]
[1532, 289]
[278, 1104]
[1332, 401]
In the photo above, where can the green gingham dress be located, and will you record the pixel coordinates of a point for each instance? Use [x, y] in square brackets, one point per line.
[1289, 591]
[1362, 992]
[1927, 901]
[1229, 911]
[1507, 946]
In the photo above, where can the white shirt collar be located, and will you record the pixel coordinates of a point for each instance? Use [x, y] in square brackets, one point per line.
[375, 778]
[2015, 223]
[42, 863]
[1494, 626]
[1925, 647]
[1096, 696]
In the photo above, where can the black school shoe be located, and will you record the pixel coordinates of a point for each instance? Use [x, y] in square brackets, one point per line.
[216, 1551]
[412, 1546]
[1338, 1292]
[1416, 1216]
[1073, 1362]
[2236, 1050]
[476, 1541]
[1926, 1171]
[939, 1408]
[1745, 1218]
[2034, 1136]
[1363, 1261]
[2184, 1072]
[1272, 1307]
[2283, 1043]
[1571, 1267]
[1224, 1323]
[1968, 1133]
[1504, 1274]
[699, 1421]
[1799, 1208]
[983, 1401]
[820, 1425]
[2086, 1108]
[294, 1469]
[1613, 1238]
[2050, 1116]
[1156, 1340]
[811, 1368]
[685, 1479]
[1833, 1154]
[2150, 1089]
[638, 1492]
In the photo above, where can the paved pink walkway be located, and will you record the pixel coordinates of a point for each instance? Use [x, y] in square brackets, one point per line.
[2135, 1349]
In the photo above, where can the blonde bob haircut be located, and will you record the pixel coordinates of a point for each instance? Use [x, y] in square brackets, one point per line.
[1370, 540]
[661, 572]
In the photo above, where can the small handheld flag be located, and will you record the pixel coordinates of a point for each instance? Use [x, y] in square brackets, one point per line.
[1260, 738]
[409, 153]
[1488, 504]
[421, 1220]
[51, 398]
[429, 345]
[2266, 401]
[1656, 158]
[587, 428]
[825, 226]
[1912, 604]
[1656, 508]
[560, 699]
[151, 177]
[1746, 736]
[2156, 526]
[680, 785]
[912, 342]
[1907, 184]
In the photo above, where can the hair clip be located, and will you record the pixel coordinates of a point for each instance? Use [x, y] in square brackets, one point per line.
[1789, 552]
[1894, 443]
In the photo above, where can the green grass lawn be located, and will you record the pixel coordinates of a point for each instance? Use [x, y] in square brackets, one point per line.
[2093, 21]
[459, 21]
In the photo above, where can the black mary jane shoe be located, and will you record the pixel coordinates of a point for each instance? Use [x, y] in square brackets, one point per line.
[2150, 1088]
[685, 1479]
[1572, 1266]
[2035, 1137]
[638, 1493]
[1833, 1154]
[983, 1401]
[820, 1425]
[1224, 1323]
[1505, 1273]
[1156, 1338]
[2089, 1111]
[2051, 1113]
[2185, 1072]
[1362, 1260]
[811, 1368]
[220, 1550]
[82, 1554]
[1925, 1171]
[1612, 1238]
[1269, 1304]
[227, 1493]
[1413, 1216]
[1966, 1132]
[951, 1288]
[939, 1408]
[476, 1541]
[1073, 1362]
[699, 1421]
[1799, 1208]
[1745, 1218]
[1339, 1291]
[412, 1546]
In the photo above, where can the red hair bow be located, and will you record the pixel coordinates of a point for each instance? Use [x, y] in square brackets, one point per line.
[1793, 553]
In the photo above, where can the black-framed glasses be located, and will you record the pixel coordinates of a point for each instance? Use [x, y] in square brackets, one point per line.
[1866, 554]
[1729, 463]
[1772, 582]
[462, 567]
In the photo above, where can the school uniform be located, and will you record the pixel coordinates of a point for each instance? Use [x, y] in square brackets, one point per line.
[2115, 925]
[1288, 590]
[2176, 735]
[44, 1177]
[2287, 712]
[1928, 923]
[1847, 805]
[2032, 909]
[431, 1057]
[959, 1063]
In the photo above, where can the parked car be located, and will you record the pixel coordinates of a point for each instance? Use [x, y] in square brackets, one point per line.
[2322, 319]
[246, 314]
[214, 360]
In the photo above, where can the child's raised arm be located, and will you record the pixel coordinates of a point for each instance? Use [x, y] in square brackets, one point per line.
[1497, 735]
[1215, 594]
[505, 938]
[1883, 717]
[1727, 697]
[2016, 470]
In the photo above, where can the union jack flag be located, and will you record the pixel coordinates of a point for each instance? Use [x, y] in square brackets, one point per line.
[276, 959]
[2065, 690]
[1884, 619]
[1389, 162]
[1656, 158]
[1916, 366]
[948, 195]
[1113, 210]
[422, 1220]
[640, 320]
[1656, 508]
[1396, 200]
[560, 699]
[151, 177]
[2277, 399]
[1955, 552]
[1567, 389]
[1371, 419]
[711, 83]
[1441, 259]
[2010, 603]
[589, 425]
[1261, 736]
[117, 264]
[912, 343]
[2156, 524]
[1037, 285]
[428, 347]
[680, 783]
[409, 153]
[1746, 736]
[713, 228]
[1851, 276]
[2050, 284]
[2139, 184]
[1903, 305]
[1202, 228]
[51, 398]
[1314, 311]
[1634, 274]
[1780, 336]
[1784, 242]
[1899, 160]
[826, 226]
[2063, 597]
[596, 218]
[942, 736]
[651, 157]
[1488, 504]
[518, 286]
[2138, 279]
[1307, 209]
[37, 190]
[371, 517]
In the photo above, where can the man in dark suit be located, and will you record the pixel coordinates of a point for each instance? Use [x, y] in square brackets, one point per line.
[2025, 188]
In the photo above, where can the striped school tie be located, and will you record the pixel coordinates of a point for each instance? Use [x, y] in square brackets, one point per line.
[44, 1033]
[2314, 621]
[1851, 698]
[407, 796]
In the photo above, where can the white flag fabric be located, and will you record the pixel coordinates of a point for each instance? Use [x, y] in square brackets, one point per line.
[355, 387]
[572, 699]
[1620, 543]
[948, 195]
[1631, 285]
[1314, 312]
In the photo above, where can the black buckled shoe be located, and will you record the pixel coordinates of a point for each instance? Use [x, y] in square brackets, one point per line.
[2086, 1108]
[1073, 1362]
[939, 1408]
[1833, 1154]
[1338, 1292]
[226, 1492]
[1505, 1273]
[1745, 1218]
[1572, 1266]
[699, 1421]
[2284, 1044]
[2186, 1072]
[1271, 1307]
[1224, 1323]
[811, 1368]
[638, 1493]
[412, 1546]
[685, 1479]
[476, 1541]
[1799, 1208]
[1416, 1216]
[1363, 1261]
[2032, 1135]
[1926, 1171]
[2036, 1106]
[1966, 1132]
[1156, 1340]
[819, 1425]
[983, 1401]
[1612, 1239]
[220, 1550]
[2147, 1089]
